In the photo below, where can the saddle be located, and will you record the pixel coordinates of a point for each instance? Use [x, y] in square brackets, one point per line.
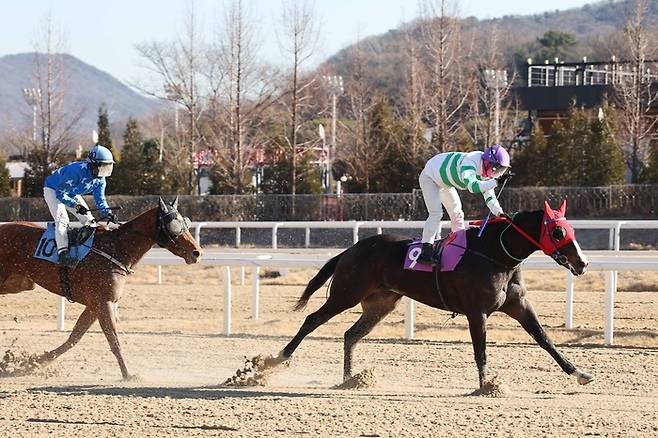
[448, 252]
[80, 243]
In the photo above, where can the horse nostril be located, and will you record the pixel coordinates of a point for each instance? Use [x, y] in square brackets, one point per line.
[196, 254]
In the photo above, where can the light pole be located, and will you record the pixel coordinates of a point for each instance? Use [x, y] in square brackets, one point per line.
[33, 98]
[335, 84]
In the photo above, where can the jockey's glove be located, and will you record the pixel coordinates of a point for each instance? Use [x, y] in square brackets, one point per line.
[111, 217]
[506, 176]
[81, 209]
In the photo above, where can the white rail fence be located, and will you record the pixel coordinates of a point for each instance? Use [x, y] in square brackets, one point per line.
[608, 261]
[614, 226]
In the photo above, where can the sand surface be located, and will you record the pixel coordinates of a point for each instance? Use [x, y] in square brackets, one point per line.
[171, 340]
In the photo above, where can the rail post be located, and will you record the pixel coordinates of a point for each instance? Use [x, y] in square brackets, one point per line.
[197, 231]
[568, 317]
[61, 313]
[275, 239]
[227, 300]
[409, 318]
[255, 293]
[609, 321]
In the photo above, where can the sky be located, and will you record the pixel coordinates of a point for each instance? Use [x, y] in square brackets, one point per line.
[103, 33]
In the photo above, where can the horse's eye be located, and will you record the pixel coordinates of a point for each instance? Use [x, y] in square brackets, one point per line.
[558, 234]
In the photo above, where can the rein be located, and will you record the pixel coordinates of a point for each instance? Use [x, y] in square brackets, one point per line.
[554, 253]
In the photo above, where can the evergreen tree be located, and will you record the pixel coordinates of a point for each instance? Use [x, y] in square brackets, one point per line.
[276, 175]
[152, 173]
[104, 137]
[606, 165]
[140, 172]
[651, 172]
[5, 178]
[41, 164]
[529, 164]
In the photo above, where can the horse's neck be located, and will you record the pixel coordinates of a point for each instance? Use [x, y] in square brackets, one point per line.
[530, 223]
[137, 236]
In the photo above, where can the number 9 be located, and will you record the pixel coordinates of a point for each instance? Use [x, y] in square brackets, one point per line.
[414, 253]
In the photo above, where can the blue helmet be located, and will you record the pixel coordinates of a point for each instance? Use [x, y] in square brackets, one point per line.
[100, 154]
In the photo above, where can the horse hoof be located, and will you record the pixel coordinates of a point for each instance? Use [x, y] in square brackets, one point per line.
[271, 362]
[132, 378]
[584, 378]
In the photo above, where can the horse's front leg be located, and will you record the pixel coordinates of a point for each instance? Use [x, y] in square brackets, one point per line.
[107, 320]
[521, 310]
[477, 324]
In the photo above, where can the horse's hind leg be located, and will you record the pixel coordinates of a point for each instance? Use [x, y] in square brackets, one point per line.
[107, 320]
[522, 311]
[477, 325]
[85, 320]
[375, 308]
[328, 310]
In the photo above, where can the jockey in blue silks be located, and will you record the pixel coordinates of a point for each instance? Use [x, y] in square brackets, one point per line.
[63, 191]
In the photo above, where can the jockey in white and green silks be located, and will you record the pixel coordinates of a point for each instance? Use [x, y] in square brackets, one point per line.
[445, 173]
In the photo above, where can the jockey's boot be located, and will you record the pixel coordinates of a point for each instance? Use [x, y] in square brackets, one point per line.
[426, 256]
[65, 259]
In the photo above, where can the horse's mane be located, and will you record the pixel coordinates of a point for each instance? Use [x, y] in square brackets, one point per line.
[102, 231]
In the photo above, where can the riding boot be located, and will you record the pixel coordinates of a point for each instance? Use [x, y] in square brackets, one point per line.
[426, 256]
[65, 259]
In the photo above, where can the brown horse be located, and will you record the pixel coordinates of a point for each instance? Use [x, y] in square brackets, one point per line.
[97, 282]
[488, 279]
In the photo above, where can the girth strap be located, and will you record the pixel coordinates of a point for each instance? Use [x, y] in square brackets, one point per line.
[437, 271]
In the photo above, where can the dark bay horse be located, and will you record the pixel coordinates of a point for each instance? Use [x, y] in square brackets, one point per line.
[488, 279]
[97, 282]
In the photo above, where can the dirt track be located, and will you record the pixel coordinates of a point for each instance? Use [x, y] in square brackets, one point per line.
[170, 340]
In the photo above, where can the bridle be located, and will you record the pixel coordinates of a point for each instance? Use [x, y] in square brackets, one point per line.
[549, 242]
[170, 228]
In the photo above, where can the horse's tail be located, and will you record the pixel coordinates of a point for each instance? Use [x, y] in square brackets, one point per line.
[316, 282]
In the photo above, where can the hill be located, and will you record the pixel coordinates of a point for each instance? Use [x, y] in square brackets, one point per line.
[595, 26]
[86, 89]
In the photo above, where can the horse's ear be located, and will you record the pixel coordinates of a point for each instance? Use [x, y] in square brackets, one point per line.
[174, 204]
[162, 204]
[547, 208]
[563, 208]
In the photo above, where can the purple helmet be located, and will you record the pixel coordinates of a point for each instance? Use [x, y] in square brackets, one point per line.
[495, 161]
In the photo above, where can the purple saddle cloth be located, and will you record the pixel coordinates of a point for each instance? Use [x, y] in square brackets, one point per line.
[454, 247]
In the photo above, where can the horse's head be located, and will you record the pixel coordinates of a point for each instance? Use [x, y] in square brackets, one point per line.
[557, 239]
[174, 233]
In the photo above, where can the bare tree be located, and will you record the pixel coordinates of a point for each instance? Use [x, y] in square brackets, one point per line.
[361, 155]
[297, 39]
[491, 107]
[634, 93]
[177, 66]
[53, 132]
[241, 89]
[414, 104]
[449, 84]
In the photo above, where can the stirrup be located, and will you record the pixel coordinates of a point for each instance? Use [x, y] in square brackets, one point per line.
[426, 257]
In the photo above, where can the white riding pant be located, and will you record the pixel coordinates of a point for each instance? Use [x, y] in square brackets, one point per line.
[435, 195]
[60, 213]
